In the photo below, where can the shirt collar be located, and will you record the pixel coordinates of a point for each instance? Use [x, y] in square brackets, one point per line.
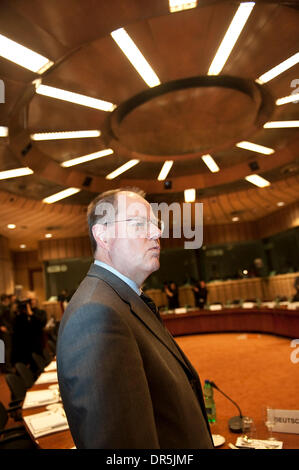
[127, 280]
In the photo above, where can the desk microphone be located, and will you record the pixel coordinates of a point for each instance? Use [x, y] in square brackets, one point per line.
[234, 423]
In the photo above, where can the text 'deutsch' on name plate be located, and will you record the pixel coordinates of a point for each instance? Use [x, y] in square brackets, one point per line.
[286, 421]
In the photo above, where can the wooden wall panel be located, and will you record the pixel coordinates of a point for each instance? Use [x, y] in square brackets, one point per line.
[23, 264]
[242, 289]
[283, 219]
[6, 268]
[63, 248]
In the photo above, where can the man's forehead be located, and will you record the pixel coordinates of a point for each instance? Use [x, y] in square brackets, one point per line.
[131, 204]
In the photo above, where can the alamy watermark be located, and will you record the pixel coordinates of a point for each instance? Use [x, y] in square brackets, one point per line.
[2, 351]
[295, 354]
[295, 84]
[2, 92]
[161, 220]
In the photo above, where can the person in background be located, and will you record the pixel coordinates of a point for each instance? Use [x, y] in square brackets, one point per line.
[6, 329]
[200, 292]
[172, 294]
[296, 285]
[124, 381]
[38, 323]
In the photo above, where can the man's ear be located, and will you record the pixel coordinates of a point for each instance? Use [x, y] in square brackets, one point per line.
[100, 234]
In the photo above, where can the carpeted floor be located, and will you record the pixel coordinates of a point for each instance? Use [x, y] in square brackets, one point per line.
[255, 370]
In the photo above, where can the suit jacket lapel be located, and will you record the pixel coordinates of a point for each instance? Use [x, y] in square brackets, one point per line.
[142, 312]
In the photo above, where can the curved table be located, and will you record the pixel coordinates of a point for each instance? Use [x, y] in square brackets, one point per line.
[280, 322]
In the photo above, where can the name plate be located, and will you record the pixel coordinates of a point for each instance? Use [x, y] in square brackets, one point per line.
[286, 421]
[215, 307]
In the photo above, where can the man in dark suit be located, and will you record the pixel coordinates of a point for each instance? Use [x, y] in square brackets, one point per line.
[124, 381]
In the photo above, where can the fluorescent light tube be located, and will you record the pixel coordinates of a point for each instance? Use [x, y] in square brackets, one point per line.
[257, 181]
[179, 5]
[210, 162]
[280, 68]
[87, 158]
[280, 124]
[122, 169]
[77, 98]
[190, 195]
[23, 56]
[255, 148]
[134, 55]
[165, 170]
[15, 173]
[3, 131]
[61, 195]
[288, 99]
[64, 135]
[230, 38]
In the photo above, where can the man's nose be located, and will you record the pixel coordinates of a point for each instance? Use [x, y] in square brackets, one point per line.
[153, 232]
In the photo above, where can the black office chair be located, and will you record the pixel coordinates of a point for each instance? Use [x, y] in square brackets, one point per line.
[39, 362]
[26, 374]
[17, 388]
[16, 437]
[52, 346]
[47, 356]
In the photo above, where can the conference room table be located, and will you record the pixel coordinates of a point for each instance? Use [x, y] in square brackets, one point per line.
[278, 322]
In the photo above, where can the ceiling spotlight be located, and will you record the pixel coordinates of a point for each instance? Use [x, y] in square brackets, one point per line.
[65, 135]
[280, 68]
[22, 246]
[122, 169]
[210, 162]
[280, 124]
[288, 99]
[61, 195]
[23, 56]
[134, 55]
[281, 203]
[48, 235]
[11, 226]
[71, 97]
[165, 170]
[16, 172]
[179, 5]
[87, 158]
[3, 131]
[190, 195]
[257, 181]
[231, 37]
[255, 148]
[235, 219]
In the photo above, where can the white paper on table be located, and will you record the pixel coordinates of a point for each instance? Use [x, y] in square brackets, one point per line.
[259, 444]
[47, 377]
[40, 398]
[47, 422]
[51, 366]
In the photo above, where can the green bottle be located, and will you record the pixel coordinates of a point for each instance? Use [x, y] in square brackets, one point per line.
[209, 401]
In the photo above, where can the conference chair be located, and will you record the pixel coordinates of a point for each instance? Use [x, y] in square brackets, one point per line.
[47, 356]
[39, 362]
[52, 346]
[26, 374]
[15, 437]
[17, 388]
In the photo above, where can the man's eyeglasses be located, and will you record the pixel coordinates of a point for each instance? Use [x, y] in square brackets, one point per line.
[140, 225]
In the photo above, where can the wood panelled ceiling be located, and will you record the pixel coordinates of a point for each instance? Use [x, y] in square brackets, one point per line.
[179, 125]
